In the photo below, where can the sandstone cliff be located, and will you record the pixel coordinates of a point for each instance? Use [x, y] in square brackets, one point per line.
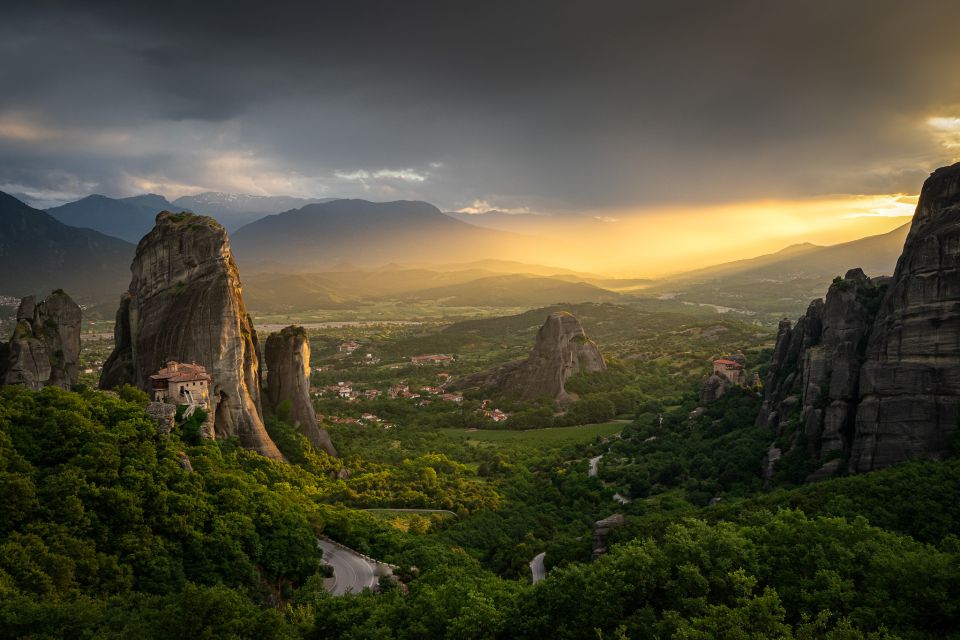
[184, 303]
[871, 376]
[45, 347]
[910, 381]
[561, 350]
[287, 355]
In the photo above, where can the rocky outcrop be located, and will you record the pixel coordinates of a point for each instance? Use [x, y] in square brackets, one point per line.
[910, 380]
[287, 354]
[560, 351]
[812, 389]
[601, 532]
[184, 303]
[164, 414]
[44, 349]
[871, 376]
[713, 387]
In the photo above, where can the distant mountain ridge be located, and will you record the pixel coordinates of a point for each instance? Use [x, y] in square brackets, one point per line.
[878, 254]
[38, 253]
[359, 233]
[783, 282]
[233, 210]
[126, 218]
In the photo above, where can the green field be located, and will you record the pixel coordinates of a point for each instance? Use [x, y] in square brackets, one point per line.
[551, 435]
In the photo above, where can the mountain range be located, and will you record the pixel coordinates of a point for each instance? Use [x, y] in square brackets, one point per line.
[361, 233]
[785, 281]
[233, 210]
[340, 253]
[38, 253]
[126, 218]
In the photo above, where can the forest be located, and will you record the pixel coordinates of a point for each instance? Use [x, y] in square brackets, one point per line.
[110, 530]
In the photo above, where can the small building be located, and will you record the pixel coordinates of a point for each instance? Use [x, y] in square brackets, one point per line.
[398, 391]
[181, 383]
[496, 415]
[348, 347]
[730, 369]
[452, 397]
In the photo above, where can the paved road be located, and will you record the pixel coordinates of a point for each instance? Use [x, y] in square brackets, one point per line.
[593, 465]
[537, 570]
[352, 573]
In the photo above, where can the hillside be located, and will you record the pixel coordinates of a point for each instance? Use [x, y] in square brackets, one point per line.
[38, 253]
[233, 210]
[515, 290]
[125, 218]
[359, 232]
[783, 283]
[274, 292]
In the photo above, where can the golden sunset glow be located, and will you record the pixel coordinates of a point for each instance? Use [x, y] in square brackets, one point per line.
[655, 242]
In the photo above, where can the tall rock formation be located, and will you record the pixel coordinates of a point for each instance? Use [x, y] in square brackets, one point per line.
[910, 381]
[561, 350]
[287, 354]
[871, 377]
[45, 347]
[185, 304]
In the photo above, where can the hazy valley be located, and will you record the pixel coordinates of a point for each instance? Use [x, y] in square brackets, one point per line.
[479, 321]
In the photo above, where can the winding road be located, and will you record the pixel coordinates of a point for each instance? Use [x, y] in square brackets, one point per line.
[352, 573]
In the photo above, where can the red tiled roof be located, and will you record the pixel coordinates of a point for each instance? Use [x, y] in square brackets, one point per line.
[728, 363]
[181, 372]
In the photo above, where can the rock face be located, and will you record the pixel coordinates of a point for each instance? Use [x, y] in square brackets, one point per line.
[602, 530]
[164, 415]
[713, 387]
[45, 347]
[910, 382]
[288, 383]
[871, 376]
[184, 303]
[561, 350]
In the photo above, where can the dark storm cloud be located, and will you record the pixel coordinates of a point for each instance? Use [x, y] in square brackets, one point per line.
[541, 104]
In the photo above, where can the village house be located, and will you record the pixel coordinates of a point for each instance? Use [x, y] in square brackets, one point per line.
[348, 347]
[452, 397]
[345, 390]
[181, 383]
[496, 415]
[371, 394]
[435, 359]
[369, 359]
[398, 390]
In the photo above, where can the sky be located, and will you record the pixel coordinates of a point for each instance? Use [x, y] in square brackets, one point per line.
[749, 123]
